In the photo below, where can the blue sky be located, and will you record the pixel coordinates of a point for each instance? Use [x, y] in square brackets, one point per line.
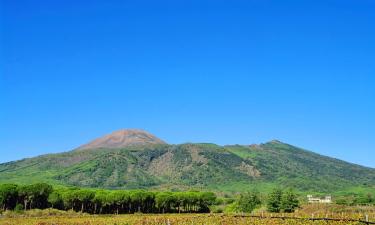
[216, 71]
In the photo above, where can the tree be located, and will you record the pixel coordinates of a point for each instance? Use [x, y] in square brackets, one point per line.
[118, 200]
[35, 195]
[69, 198]
[247, 202]
[8, 196]
[370, 198]
[55, 200]
[25, 195]
[180, 197]
[137, 197]
[148, 202]
[208, 198]
[41, 191]
[100, 200]
[163, 203]
[193, 199]
[84, 197]
[289, 201]
[274, 201]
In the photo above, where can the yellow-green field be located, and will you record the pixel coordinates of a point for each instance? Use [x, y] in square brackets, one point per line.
[184, 219]
[188, 219]
[344, 214]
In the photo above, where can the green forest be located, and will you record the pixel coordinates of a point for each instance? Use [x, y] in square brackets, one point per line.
[41, 196]
[100, 201]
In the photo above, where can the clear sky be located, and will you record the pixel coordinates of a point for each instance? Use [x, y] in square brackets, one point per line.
[227, 72]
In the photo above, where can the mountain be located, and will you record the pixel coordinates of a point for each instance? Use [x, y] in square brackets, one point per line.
[122, 139]
[137, 159]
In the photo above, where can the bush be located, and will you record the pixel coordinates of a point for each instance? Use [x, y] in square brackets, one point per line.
[341, 201]
[289, 201]
[18, 208]
[217, 209]
[231, 208]
[274, 201]
[278, 201]
[248, 202]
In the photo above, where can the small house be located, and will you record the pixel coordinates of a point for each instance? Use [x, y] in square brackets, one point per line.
[327, 199]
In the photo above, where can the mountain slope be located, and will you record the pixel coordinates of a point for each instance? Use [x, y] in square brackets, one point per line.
[294, 167]
[154, 164]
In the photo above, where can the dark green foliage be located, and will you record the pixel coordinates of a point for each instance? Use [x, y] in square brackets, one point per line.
[367, 199]
[103, 201]
[289, 201]
[55, 200]
[356, 199]
[34, 195]
[168, 202]
[274, 200]
[8, 196]
[248, 201]
[341, 201]
[69, 199]
[18, 208]
[278, 201]
[84, 197]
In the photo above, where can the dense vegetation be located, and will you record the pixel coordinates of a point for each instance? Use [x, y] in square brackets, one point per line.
[206, 166]
[275, 202]
[41, 196]
[26, 198]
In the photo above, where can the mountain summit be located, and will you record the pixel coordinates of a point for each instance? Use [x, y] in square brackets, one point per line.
[123, 138]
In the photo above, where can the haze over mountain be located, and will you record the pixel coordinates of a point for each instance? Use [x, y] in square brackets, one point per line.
[138, 159]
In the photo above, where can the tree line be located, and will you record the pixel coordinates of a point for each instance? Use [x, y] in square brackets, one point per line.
[41, 196]
[358, 199]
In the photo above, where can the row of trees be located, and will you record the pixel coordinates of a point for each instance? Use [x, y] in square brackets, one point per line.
[28, 196]
[277, 201]
[103, 201]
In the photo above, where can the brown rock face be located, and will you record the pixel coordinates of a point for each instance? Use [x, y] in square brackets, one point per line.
[123, 138]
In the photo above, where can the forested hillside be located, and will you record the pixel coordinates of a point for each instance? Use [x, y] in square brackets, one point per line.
[180, 167]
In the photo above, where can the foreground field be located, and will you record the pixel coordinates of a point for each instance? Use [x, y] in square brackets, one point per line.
[314, 214]
[184, 219]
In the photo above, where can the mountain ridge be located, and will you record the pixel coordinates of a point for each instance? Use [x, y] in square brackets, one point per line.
[138, 159]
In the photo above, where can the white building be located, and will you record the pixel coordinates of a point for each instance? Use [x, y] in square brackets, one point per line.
[327, 199]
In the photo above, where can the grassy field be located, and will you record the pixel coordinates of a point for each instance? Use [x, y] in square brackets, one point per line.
[185, 219]
[344, 215]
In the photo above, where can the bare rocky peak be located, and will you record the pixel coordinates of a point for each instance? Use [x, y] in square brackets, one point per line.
[123, 138]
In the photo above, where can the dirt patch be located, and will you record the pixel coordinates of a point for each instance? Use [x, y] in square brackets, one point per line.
[248, 169]
[163, 165]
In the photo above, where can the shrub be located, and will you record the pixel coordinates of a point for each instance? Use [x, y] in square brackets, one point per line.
[248, 202]
[274, 201]
[18, 208]
[289, 201]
